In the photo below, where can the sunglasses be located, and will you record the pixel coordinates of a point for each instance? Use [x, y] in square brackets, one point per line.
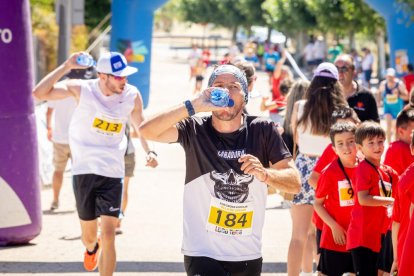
[118, 78]
[342, 69]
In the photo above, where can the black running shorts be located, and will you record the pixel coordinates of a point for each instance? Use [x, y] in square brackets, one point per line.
[335, 263]
[210, 267]
[97, 195]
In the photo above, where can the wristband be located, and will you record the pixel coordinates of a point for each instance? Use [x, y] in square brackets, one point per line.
[189, 107]
[152, 152]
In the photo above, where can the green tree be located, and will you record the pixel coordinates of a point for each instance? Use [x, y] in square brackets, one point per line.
[290, 17]
[95, 11]
[230, 13]
[344, 17]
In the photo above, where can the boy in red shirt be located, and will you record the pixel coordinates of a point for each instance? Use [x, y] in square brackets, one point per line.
[334, 201]
[401, 214]
[406, 267]
[343, 114]
[373, 189]
[398, 155]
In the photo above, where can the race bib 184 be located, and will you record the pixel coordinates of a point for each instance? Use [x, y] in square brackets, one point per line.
[232, 219]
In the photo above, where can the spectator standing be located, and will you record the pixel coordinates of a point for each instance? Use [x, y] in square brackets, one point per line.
[271, 57]
[366, 65]
[194, 55]
[409, 79]
[309, 55]
[358, 97]
[311, 121]
[319, 51]
[60, 113]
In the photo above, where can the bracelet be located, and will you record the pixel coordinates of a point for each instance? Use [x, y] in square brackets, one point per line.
[267, 175]
[412, 105]
[189, 107]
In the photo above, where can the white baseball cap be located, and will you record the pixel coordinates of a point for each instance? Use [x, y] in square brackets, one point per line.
[114, 63]
[390, 72]
[326, 69]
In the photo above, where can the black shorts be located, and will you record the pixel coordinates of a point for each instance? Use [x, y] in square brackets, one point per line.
[199, 78]
[97, 195]
[210, 267]
[335, 263]
[318, 240]
[385, 257]
[365, 261]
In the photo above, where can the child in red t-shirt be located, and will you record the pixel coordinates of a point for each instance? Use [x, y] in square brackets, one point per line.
[373, 187]
[342, 114]
[334, 201]
[401, 217]
[406, 267]
[398, 155]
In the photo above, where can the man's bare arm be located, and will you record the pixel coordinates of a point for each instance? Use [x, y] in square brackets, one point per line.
[282, 175]
[50, 89]
[161, 127]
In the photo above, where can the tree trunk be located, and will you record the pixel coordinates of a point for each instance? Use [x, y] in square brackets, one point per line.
[351, 40]
[234, 34]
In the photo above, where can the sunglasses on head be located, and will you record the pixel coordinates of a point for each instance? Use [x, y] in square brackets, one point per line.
[342, 69]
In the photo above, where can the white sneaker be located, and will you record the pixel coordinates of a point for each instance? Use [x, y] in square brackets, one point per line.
[54, 205]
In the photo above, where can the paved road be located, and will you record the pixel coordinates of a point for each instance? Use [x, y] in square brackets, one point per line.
[151, 242]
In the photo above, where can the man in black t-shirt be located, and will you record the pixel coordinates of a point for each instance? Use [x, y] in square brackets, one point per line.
[359, 98]
[231, 157]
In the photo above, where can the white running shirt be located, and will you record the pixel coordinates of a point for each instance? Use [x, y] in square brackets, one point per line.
[97, 130]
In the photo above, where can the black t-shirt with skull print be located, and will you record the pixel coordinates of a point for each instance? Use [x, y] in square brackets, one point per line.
[223, 207]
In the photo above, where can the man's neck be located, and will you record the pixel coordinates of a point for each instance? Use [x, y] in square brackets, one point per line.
[349, 89]
[104, 90]
[227, 126]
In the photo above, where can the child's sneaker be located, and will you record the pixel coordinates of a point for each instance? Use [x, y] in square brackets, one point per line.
[90, 260]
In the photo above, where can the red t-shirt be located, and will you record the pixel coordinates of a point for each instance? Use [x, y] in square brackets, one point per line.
[405, 266]
[368, 222]
[398, 156]
[334, 187]
[328, 155]
[402, 207]
[276, 95]
[409, 81]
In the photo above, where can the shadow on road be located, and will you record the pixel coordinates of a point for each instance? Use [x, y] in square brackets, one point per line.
[77, 267]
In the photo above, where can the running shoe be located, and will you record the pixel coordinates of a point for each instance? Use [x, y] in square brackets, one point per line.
[90, 261]
[54, 205]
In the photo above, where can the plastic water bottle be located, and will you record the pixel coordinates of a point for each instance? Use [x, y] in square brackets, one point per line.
[85, 60]
[221, 97]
